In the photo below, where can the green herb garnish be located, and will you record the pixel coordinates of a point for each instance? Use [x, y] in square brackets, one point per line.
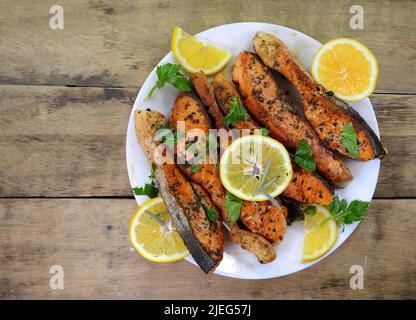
[310, 210]
[304, 157]
[236, 113]
[343, 213]
[233, 206]
[195, 168]
[150, 188]
[264, 131]
[349, 140]
[212, 214]
[169, 73]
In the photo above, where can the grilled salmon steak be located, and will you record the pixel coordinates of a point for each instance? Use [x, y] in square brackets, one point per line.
[266, 104]
[187, 203]
[206, 93]
[188, 109]
[305, 186]
[326, 114]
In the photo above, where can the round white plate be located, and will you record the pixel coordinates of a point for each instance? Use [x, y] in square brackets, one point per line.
[238, 263]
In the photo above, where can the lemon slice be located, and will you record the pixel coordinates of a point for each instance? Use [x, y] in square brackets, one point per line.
[346, 67]
[243, 167]
[318, 239]
[151, 240]
[194, 55]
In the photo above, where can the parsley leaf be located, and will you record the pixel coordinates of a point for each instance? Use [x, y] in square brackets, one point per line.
[304, 157]
[310, 210]
[236, 113]
[264, 131]
[233, 206]
[349, 140]
[343, 213]
[148, 190]
[195, 168]
[169, 73]
[212, 214]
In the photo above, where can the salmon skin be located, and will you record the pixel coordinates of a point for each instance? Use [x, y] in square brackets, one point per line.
[305, 186]
[266, 104]
[326, 114]
[188, 108]
[187, 203]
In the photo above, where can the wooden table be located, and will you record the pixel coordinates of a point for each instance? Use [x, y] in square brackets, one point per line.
[65, 99]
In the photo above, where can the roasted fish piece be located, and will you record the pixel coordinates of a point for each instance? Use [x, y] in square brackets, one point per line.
[305, 186]
[187, 203]
[188, 109]
[206, 93]
[327, 115]
[265, 103]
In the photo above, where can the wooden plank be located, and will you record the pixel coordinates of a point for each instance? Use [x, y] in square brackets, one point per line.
[107, 43]
[70, 142]
[57, 140]
[89, 239]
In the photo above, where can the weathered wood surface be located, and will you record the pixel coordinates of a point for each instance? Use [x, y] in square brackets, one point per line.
[89, 239]
[117, 43]
[70, 142]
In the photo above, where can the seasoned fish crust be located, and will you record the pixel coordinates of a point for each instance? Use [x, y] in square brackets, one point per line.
[327, 115]
[265, 103]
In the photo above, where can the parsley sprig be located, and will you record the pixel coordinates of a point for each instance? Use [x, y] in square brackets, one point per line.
[233, 205]
[264, 131]
[212, 214]
[236, 113]
[169, 73]
[349, 140]
[304, 157]
[344, 213]
[149, 189]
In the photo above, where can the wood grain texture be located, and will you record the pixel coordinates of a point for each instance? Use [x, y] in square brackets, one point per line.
[89, 239]
[70, 142]
[107, 43]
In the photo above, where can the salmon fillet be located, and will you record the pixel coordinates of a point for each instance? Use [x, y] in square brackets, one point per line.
[327, 115]
[266, 105]
[205, 92]
[187, 203]
[188, 109]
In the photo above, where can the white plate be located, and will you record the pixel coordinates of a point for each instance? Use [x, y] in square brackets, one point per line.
[238, 263]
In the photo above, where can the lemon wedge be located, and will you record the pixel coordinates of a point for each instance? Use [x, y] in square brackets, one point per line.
[194, 55]
[346, 67]
[154, 235]
[254, 161]
[318, 239]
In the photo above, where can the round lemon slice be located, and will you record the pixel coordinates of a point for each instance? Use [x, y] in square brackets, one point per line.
[255, 168]
[154, 235]
[346, 67]
[319, 238]
[194, 55]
